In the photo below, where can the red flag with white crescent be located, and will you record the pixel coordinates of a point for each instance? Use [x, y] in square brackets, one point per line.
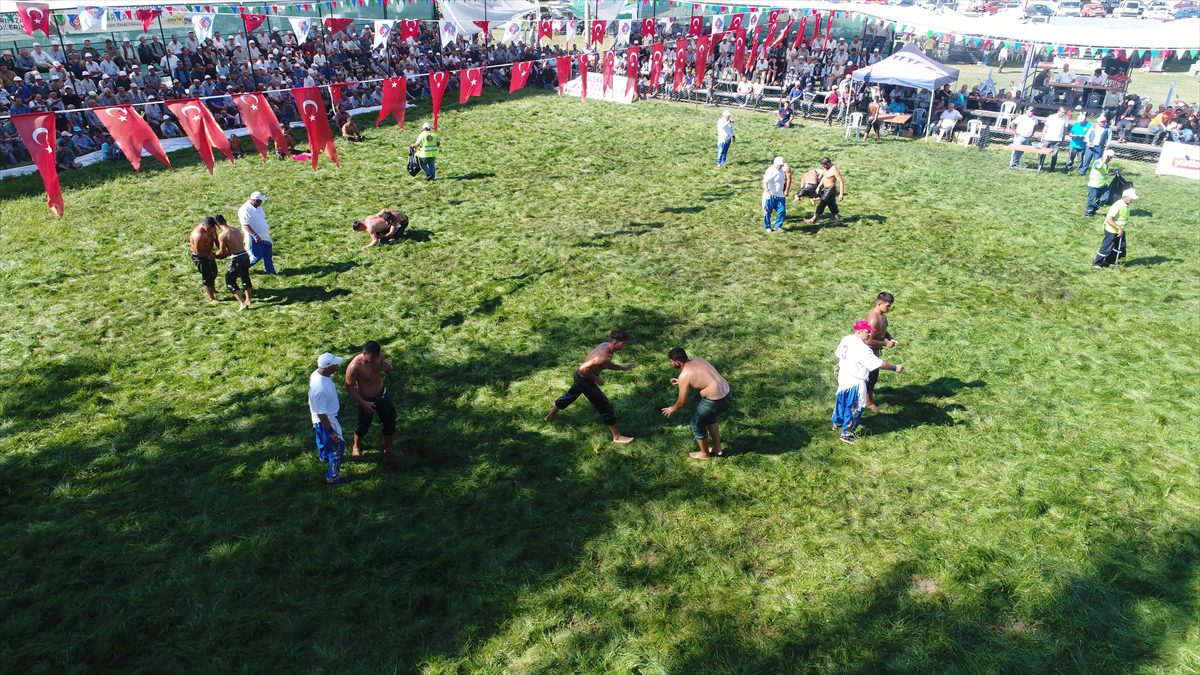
[470, 83]
[395, 94]
[253, 21]
[545, 29]
[520, 74]
[701, 58]
[597, 32]
[800, 33]
[739, 51]
[437, 88]
[753, 53]
[563, 66]
[194, 118]
[485, 27]
[37, 132]
[828, 30]
[657, 52]
[260, 120]
[311, 107]
[147, 17]
[409, 28]
[582, 60]
[336, 25]
[606, 71]
[132, 134]
[648, 29]
[772, 26]
[680, 63]
[633, 63]
[816, 26]
[787, 28]
[695, 26]
[34, 16]
[736, 21]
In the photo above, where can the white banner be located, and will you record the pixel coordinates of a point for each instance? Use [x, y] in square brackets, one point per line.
[1178, 159]
[383, 31]
[463, 13]
[92, 19]
[624, 31]
[616, 94]
[448, 31]
[512, 32]
[569, 29]
[301, 26]
[203, 25]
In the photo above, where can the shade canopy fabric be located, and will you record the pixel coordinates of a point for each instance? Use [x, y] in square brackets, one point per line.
[908, 68]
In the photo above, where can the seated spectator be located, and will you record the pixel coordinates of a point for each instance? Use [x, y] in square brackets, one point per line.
[947, 121]
[81, 143]
[784, 115]
[109, 149]
[744, 91]
[65, 157]
[170, 128]
[757, 89]
[1158, 125]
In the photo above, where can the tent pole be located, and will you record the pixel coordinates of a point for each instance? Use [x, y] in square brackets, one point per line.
[929, 120]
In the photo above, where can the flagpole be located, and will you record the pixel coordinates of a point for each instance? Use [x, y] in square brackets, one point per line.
[161, 32]
[57, 29]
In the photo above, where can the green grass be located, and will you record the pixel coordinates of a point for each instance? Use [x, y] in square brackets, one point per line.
[1028, 501]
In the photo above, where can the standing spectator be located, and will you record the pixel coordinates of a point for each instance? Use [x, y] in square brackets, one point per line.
[1099, 177]
[1095, 141]
[1022, 128]
[777, 182]
[1112, 248]
[1078, 131]
[855, 363]
[323, 408]
[427, 145]
[257, 231]
[1054, 133]
[725, 137]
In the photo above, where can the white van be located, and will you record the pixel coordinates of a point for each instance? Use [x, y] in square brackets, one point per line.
[1129, 9]
[1069, 8]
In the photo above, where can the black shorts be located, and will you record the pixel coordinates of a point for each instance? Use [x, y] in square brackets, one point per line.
[239, 268]
[383, 408]
[873, 376]
[207, 268]
[807, 190]
[583, 386]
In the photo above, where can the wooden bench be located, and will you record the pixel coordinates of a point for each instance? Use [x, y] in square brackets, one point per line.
[1042, 154]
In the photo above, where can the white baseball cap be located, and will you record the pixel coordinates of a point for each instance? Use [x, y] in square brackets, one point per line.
[1110, 153]
[1129, 193]
[426, 126]
[258, 196]
[325, 360]
[779, 161]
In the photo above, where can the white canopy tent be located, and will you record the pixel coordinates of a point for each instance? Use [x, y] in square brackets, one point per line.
[909, 67]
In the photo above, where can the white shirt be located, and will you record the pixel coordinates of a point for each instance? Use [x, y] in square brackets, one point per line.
[323, 400]
[1064, 77]
[1025, 126]
[855, 362]
[1055, 128]
[724, 130]
[775, 180]
[253, 216]
[950, 117]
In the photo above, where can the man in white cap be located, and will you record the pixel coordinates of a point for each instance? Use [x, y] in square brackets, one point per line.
[427, 146]
[258, 233]
[777, 182]
[323, 407]
[1112, 249]
[1099, 177]
[724, 137]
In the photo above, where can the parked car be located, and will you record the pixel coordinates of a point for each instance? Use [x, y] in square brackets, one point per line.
[1069, 8]
[1187, 13]
[1039, 13]
[1093, 9]
[1130, 9]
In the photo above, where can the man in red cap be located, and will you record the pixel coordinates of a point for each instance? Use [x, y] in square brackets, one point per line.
[855, 363]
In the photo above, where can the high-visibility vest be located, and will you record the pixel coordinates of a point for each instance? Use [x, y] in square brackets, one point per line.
[1121, 219]
[1100, 175]
[427, 145]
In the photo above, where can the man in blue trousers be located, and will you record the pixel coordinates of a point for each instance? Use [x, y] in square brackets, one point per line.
[777, 182]
[258, 233]
[323, 408]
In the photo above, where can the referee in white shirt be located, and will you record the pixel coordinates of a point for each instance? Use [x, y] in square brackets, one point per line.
[258, 233]
[323, 408]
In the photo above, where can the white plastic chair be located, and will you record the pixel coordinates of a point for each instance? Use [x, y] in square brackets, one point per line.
[854, 123]
[974, 129]
[1007, 110]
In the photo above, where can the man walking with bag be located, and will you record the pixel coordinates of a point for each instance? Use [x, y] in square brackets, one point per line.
[427, 146]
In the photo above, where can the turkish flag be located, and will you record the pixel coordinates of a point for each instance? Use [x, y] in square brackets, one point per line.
[470, 83]
[337, 25]
[786, 29]
[633, 62]
[606, 71]
[335, 93]
[545, 30]
[35, 16]
[563, 65]
[773, 16]
[816, 26]
[680, 63]
[409, 28]
[520, 74]
[648, 29]
[753, 53]
[37, 132]
[702, 45]
[739, 51]
[597, 32]
[311, 107]
[484, 26]
[395, 94]
[656, 62]
[772, 26]
[253, 21]
[131, 133]
[582, 59]
[260, 120]
[437, 87]
[201, 129]
[735, 22]
[695, 26]
[800, 33]
[147, 17]
[828, 30]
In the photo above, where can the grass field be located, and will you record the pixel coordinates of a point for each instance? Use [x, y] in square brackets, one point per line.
[1028, 501]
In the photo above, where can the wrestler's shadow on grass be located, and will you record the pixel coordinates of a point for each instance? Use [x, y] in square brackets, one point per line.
[916, 405]
[684, 209]
[634, 229]
[488, 305]
[475, 175]
[297, 294]
[34, 397]
[904, 616]
[316, 270]
[416, 236]
[1150, 261]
